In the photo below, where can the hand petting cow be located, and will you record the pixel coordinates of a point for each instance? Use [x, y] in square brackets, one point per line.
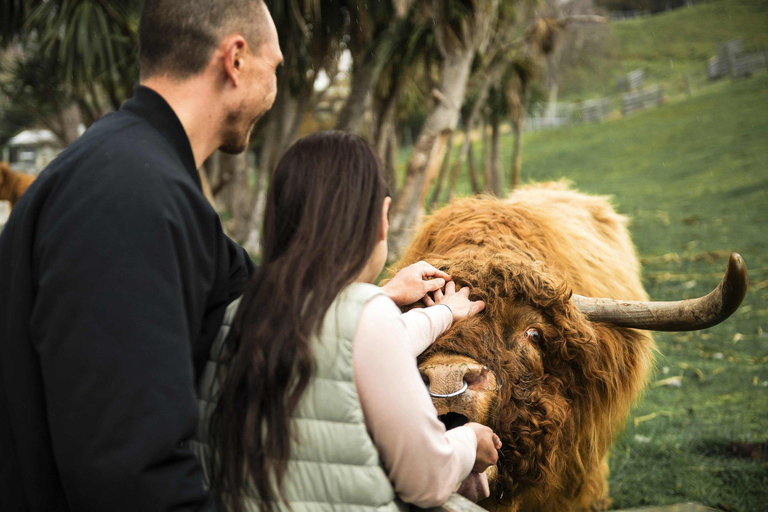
[553, 373]
[13, 184]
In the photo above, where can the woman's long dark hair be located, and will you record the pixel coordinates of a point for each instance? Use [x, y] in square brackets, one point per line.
[321, 225]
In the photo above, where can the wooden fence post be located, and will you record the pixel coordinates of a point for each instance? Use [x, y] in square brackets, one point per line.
[456, 503]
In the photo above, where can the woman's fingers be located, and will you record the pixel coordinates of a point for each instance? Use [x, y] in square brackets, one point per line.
[432, 285]
[428, 270]
[458, 301]
[476, 307]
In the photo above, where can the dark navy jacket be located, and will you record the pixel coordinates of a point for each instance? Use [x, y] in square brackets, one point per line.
[114, 277]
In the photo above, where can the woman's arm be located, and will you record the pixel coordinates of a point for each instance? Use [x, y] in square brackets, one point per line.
[424, 325]
[424, 462]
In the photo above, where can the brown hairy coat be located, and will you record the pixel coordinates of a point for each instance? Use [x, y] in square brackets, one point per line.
[557, 404]
[13, 184]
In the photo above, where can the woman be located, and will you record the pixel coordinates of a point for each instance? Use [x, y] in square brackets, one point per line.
[321, 363]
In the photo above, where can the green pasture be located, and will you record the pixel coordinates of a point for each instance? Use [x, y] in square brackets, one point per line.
[669, 46]
[693, 177]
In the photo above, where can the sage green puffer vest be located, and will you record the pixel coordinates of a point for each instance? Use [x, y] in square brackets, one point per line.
[334, 465]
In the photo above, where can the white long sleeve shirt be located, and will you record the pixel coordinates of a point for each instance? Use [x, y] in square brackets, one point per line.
[425, 463]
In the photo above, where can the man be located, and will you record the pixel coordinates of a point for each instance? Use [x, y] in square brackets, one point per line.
[115, 274]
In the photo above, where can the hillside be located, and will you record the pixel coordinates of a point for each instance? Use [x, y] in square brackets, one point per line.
[668, 45]
[693, 177]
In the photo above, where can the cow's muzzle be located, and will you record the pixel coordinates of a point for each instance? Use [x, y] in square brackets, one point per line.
[452, 379]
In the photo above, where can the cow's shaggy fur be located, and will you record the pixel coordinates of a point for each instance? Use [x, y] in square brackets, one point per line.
[558, 405]
[13, 184]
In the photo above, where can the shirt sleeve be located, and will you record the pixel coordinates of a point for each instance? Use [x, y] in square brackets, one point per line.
[241, 268]
[424, 462]
[425, 325]
[119, 295]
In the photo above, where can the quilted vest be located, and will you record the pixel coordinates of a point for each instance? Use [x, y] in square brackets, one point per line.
[334, 465]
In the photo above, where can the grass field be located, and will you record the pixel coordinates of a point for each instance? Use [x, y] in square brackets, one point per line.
[669, 45]
[693, 177]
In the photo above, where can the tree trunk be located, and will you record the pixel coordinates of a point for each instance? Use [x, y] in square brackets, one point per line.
[248, 185]
[476, 188]
[429, 150]
[365, 75]
[387, 113]
[551, 112]
[492, 76]
[281, 126]
[437, 191]
[487, 158]
[385, 136]
[497, 180]
[238, 198]
[517, 155]
[455, 168]
[391, 161]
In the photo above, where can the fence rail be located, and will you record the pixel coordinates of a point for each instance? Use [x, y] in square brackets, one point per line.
[731, 60]
[628, 15]
[592, 111]
[632, 81]
[649, 97]
[455, 504]
[748, 63]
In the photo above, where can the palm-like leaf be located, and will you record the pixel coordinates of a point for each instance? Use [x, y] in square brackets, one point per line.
[33, 96]
[94, 41]
[12, 16]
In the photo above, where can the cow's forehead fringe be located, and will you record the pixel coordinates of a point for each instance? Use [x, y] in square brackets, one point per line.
[501, 279]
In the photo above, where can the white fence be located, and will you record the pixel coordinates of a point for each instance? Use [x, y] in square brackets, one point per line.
[731, 60]
[592, 111]
[628, 15]
[746, 64]
[648, 97]
[544, 116]
[631, 81]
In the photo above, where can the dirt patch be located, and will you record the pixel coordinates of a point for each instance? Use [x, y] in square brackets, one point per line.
[751, 451]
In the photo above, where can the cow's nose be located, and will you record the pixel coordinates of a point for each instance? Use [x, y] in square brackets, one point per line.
[449, 380]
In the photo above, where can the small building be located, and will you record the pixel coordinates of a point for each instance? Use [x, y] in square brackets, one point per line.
[31, 150]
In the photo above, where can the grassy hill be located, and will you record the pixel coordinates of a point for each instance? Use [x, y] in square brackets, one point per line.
[693, 177]
[669, 45]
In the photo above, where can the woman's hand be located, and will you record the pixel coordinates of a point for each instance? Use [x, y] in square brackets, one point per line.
[458, 301]
[487, 445]
[413, 283]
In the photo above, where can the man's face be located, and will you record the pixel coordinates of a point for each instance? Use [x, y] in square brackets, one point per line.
[257, 92]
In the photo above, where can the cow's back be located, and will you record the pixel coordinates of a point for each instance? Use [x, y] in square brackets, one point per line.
[583, 237]
[579, 236]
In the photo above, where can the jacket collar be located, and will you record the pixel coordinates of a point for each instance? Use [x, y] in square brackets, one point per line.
[153, 108]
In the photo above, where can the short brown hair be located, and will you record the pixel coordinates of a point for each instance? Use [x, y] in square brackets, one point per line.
[177, 37]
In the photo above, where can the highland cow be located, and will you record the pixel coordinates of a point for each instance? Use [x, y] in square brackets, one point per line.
[553, 373]
[13, 184]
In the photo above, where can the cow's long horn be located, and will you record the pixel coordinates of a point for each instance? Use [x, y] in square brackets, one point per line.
[683, 315]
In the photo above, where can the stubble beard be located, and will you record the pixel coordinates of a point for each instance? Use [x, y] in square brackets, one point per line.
[236, 137]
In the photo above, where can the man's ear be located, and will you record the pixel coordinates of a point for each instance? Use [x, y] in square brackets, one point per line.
[233, 49]
[384, 230]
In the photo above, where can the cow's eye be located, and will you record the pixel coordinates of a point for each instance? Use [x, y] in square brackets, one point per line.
[533, 335]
